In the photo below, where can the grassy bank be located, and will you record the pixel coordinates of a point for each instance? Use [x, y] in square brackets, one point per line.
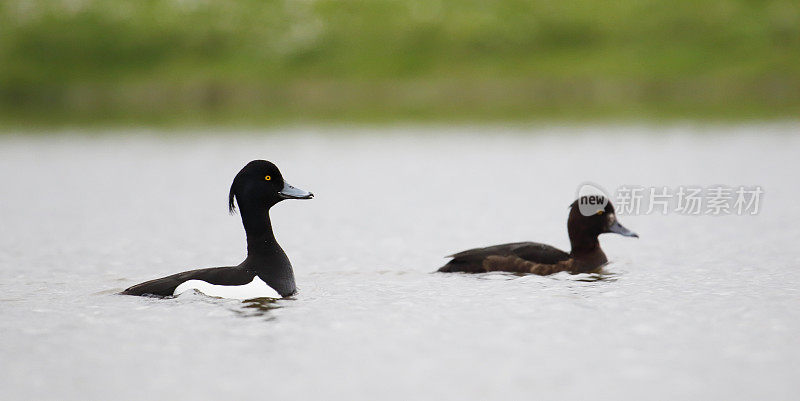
[160, 61]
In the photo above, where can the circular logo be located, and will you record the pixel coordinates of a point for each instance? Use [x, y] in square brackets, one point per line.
[591, 199]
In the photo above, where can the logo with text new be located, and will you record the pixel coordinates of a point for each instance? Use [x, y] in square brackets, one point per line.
[591, 199]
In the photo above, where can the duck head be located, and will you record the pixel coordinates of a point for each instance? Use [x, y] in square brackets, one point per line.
[260, 183]
[588, 218]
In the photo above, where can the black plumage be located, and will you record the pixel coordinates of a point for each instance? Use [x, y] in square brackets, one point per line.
[256, 188]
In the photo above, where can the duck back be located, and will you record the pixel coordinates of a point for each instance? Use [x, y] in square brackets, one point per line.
[474, 260]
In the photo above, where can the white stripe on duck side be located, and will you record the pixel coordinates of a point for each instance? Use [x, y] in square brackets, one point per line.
[255, 289]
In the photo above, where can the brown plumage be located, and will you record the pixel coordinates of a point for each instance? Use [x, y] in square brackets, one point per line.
[586, 256]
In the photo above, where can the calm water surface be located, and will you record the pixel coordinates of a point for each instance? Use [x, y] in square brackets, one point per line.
[697, 308]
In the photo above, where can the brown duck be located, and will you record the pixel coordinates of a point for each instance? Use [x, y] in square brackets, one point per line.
[584, 225]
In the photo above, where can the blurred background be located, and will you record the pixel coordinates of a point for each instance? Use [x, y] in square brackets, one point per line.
[251, 62]
[424, 127]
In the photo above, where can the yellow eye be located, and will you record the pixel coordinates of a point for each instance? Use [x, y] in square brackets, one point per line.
[599, 212]
[268, 178]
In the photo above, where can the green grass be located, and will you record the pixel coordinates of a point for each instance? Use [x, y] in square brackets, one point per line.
[261, 62]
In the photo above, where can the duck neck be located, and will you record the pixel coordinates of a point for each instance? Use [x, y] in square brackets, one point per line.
[264, 255]
[584, 245]
[587, 252]
[257, 226]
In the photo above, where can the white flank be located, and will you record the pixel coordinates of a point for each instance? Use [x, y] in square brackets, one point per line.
[255, 289]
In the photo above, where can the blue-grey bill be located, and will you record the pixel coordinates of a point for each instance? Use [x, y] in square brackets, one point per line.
[290, 192]
[621, 230]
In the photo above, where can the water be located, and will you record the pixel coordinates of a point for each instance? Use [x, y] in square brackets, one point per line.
[697, 308]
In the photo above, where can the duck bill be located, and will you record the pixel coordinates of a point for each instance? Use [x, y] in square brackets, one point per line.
[621, 230]
[290, 192]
